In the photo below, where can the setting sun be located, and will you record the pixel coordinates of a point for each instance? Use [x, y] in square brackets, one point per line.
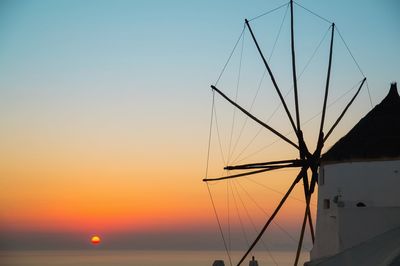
[95, 240]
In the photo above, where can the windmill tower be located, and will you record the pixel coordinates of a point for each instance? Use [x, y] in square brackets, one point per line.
[358, 217]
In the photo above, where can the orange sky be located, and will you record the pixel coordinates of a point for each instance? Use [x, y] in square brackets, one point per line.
[66, 187]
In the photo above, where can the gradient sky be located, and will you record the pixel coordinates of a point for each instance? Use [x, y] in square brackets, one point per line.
[104, 113]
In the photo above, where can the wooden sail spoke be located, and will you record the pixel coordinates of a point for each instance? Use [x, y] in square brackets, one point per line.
[296, 98]
[307, 195]
[320, 142]
[270, 168]
[254, 118]
[344, 111]
[287, 163]
[303, 227]
[310, 222]
[262, 166]
[314, 179]
[307, 216]
[271, 76]
[296, 180]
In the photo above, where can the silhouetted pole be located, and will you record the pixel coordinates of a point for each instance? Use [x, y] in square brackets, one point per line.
[272, 76]
[344, 111]
[296, 100]
[321, 128]
[273, 215]
[254, 118]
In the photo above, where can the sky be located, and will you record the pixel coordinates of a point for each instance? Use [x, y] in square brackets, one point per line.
[105, 112]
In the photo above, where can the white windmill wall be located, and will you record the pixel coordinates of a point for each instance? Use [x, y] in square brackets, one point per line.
[356, 201]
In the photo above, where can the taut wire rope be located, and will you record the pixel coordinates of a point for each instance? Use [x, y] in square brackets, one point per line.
[208, 187]
[217, 128]
[260, 82]
[236, 96]
[348, 49]
[369, 94]
[303, 124]
[287, 93]
[253, 224]
[268, 214]
[239, 216]
[315, 14]
[268, 12]
[230, 55]
[276, 191]
[229, 222]
[355, 61]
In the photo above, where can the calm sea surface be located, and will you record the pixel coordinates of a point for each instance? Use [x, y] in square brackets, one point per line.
[137, 258]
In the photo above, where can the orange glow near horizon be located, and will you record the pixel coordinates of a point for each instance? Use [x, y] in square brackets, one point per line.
[117, 196]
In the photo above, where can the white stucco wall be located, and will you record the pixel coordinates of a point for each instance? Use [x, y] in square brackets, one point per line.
[357, 225]
[383, 250]
[344, 185]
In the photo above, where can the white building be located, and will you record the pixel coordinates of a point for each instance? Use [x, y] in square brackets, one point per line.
[358, 216]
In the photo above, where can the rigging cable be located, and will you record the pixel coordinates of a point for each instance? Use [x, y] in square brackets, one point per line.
[217, 128]
[229, 224]
[268, 12]
[348, 49]
[369, 94]
[208, 187]
[261, 80]
[236, 96]
[315, 14]
[219, 225]
[239, 216]
[355, 61]
[267, 214]
[230, 56]
[303, 124]
[254, 226]
[277, 191]
[280, 104]
[335, 101]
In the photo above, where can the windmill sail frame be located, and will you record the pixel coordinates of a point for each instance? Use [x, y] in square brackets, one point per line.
[307, 161]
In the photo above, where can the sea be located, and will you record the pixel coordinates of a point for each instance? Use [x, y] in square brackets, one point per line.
[140, 258]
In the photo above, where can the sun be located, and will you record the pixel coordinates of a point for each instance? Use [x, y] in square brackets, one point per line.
[95, 240]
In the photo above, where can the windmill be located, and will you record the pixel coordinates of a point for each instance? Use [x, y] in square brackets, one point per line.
[308, 160]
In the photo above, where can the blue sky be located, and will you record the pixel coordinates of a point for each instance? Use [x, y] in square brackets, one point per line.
[182, 43]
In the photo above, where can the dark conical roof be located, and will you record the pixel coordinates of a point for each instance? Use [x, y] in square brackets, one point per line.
[376, 136]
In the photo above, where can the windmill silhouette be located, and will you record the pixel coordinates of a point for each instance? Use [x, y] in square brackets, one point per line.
[308, 161]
